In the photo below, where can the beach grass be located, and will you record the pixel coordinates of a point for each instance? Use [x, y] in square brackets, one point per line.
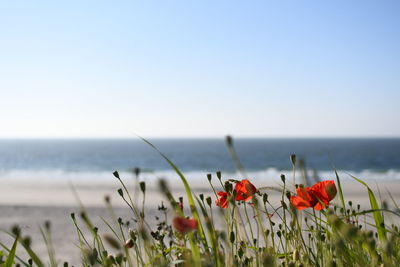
[236, 225]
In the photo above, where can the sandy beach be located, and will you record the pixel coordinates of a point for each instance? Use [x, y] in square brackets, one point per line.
[30, 203]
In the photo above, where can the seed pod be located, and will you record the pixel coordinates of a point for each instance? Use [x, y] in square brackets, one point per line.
[209, 177]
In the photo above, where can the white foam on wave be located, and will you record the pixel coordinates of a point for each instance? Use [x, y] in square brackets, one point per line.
[270, 174]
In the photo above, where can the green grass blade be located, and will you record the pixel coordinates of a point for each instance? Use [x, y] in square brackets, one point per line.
[211, 233]
[10, 258]
[35, 258]
[191, 201]
[16, 256]
[378, 218]
[340, 190]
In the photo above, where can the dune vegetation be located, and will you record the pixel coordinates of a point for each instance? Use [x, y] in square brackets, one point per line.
[237, 225]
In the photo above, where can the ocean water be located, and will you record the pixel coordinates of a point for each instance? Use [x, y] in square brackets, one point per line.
[262, 158]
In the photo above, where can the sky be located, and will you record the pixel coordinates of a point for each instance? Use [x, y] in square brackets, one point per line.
[72, 69]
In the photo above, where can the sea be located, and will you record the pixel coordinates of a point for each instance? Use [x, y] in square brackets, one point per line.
[262, 158]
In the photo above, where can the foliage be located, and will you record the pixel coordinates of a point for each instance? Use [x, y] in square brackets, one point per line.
[236, 226]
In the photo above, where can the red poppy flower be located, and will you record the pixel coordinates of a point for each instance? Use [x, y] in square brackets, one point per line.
[222, 200]
[317, 196]
[184, 225]
[245, 190]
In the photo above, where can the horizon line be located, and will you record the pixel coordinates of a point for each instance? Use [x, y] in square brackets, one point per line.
[190, 137]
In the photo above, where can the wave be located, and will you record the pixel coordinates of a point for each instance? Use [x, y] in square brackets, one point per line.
[270, 174]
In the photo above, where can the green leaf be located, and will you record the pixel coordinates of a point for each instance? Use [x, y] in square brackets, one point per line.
[378, 218]
[10, 259]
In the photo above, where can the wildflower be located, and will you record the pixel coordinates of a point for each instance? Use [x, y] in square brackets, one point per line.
[245, 190]
[184, 225]
[222, 200]
[317, 196]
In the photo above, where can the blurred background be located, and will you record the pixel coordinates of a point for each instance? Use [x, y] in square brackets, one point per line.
[80, 79]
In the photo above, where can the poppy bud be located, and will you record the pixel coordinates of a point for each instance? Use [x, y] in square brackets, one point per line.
[283, 178]
[116, 174]
[208, 200]
[229, 140]
[265, 198]
[26, 241]
[293, 159]
[142, 187]
[232, 237]
[47, 225]
[209, 177]
[218, 175]
[136, 171]
[228, 187]
[119, 258]
[132, 234]
[120, 192]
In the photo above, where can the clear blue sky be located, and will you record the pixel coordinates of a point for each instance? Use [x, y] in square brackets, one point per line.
[199, 68]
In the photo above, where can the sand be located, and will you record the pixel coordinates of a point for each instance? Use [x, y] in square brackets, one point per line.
[30, 203]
